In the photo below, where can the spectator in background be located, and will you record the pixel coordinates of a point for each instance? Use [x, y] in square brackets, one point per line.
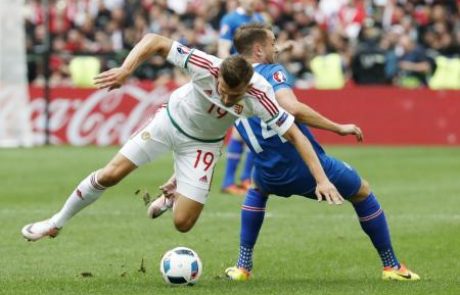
[318, 27]
[351, 17]
[368, 63]
[414, 65]
[244, 14]
[388, 45]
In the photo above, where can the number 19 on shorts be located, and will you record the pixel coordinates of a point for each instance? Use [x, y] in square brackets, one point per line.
[206, 158]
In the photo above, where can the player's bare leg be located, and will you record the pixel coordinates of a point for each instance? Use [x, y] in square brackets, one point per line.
[87, 192]
[186, 212]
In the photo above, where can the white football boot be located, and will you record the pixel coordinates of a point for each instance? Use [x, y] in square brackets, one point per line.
[36, 231]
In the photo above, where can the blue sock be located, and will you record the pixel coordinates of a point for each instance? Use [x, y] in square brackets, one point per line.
[374, 224]
[234, 151]
[249, 163]
[252, 217]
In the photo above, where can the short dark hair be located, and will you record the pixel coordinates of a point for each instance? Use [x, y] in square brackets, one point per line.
[236, 70]
[247, 35]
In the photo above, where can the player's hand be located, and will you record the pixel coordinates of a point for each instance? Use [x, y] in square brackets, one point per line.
[169, 188]
[326, 190]
[287, 46]
[351, 129]
[111, 79]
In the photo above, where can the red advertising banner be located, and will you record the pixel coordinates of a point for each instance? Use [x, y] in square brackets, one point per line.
[386, 115]
[91, 116]
[390, 115]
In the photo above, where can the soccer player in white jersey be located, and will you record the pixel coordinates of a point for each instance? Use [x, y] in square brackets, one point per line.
[193, 126]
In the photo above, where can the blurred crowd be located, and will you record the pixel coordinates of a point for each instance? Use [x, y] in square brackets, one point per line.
[363, 41]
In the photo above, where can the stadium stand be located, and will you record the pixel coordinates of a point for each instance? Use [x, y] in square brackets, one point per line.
[400, 42]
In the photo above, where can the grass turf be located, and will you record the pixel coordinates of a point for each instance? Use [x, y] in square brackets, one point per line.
[304, 247]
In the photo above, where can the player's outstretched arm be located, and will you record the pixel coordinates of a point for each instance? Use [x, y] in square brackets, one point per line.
[324, 188]
[149, 45]
[305, 114]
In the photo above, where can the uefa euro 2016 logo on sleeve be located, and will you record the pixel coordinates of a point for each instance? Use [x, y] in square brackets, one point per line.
[282, 119]
[279, 77]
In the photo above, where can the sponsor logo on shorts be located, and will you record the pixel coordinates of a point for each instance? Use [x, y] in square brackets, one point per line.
[204, 179]
[282, 119]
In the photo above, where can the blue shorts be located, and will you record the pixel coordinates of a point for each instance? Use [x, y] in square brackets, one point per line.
[300, 182]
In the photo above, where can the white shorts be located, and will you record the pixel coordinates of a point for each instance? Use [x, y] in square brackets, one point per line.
[194, 161]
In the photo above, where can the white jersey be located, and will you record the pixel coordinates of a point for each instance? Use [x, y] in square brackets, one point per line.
[196, 109]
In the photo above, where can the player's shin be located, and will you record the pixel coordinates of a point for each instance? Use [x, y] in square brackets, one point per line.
[252, 217]
[88, 191]
[374, 224]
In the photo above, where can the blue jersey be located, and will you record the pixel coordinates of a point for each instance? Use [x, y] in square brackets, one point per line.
[278, 167]
[233, 20]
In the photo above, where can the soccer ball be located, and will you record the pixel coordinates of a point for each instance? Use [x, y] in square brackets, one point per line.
[181, 266]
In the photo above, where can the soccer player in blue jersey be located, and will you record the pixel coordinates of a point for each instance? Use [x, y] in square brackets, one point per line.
[279, 170]
[244, 14]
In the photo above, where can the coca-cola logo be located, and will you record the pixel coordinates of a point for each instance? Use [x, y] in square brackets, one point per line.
[82, 117]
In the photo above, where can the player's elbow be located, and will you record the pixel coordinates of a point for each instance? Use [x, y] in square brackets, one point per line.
[151, 38]
[158, 44]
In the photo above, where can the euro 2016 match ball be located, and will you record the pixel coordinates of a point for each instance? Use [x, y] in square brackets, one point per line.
[181, 266]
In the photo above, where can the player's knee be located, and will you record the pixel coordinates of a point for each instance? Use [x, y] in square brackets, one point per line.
[106, 178]
[109, 176]
[363, 193]
[115, 171]
[183, 223]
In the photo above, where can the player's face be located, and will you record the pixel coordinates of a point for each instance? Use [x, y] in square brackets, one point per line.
[270, 48]
[230, 96]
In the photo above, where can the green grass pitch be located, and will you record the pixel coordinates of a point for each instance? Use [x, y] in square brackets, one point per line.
[304, 247]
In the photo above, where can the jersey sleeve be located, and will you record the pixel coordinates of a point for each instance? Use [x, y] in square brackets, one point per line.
[282, 122]
[271, 112]
[195, 62]
[279, 78]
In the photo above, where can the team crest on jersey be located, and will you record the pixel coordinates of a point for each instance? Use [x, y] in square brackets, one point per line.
[282, 119]
[238, 108]
[279, 77]
[183, 50]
